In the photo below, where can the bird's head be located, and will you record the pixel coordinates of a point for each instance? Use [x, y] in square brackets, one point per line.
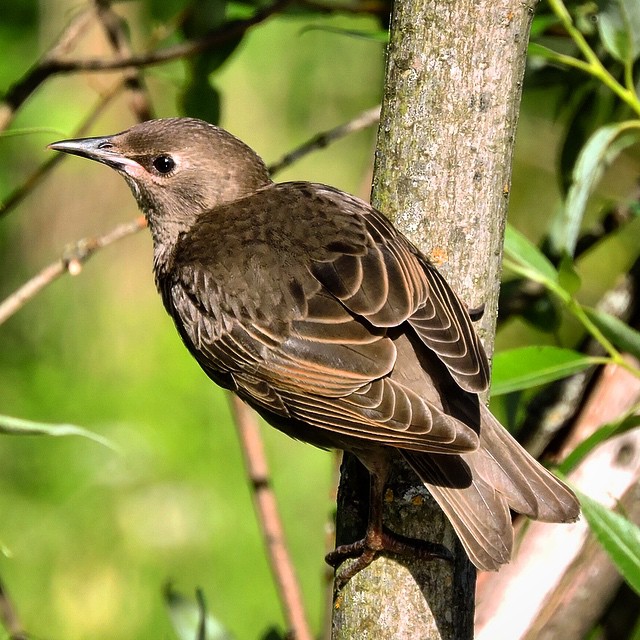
[176, 168]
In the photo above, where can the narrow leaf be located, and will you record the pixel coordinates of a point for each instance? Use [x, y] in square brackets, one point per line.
[568, 276]
[520, 249]
[597, 437]
[619, 28]
[623, 337]
[599, 151]
[619, 537]
[525, 367]
[541, 23]
[19, 427]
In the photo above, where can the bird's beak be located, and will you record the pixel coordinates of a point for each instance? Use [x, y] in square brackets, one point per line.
[102, 150]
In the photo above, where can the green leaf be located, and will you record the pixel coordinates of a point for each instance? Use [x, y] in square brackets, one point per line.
[619, 537]
[190, 619]
[541, 23]
[567, 275]
[521, 250]
[587, 107]
[619, 27]
[623, 337]
[18, 427]
[200, 99]
[597, 437]
[599, 151]
[525, 367]
[203, 16]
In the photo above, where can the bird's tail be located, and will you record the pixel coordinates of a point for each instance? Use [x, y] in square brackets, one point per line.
[477, 490]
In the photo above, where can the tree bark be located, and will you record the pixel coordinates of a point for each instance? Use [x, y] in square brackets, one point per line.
[442, 174]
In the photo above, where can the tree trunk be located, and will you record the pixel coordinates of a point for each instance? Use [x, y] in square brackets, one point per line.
[442, 174]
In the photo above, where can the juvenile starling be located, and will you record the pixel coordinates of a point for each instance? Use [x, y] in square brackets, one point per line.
[316, 311]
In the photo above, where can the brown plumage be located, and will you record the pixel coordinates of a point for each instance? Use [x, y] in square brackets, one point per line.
[308, 304]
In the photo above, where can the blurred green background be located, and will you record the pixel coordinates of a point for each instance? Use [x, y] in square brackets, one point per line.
[88, 537]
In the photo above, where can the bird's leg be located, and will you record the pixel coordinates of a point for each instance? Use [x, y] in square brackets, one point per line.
[379, 539]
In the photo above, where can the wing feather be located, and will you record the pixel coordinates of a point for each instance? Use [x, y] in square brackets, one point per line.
[301, 330]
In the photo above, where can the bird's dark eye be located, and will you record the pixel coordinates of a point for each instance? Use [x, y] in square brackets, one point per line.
[164, 164]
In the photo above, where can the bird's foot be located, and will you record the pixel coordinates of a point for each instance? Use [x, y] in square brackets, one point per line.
[366, 550]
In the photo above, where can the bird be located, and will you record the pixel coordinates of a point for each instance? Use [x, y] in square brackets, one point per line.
[316, 311]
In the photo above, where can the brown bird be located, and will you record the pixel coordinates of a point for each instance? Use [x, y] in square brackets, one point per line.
[316, 311]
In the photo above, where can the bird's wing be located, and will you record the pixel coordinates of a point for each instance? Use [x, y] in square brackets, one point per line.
[394, 283]
[329, 373]
[315, 344]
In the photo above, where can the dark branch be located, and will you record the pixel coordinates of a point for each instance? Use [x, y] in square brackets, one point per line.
[51, 64]
[114, 27]
[365, 119]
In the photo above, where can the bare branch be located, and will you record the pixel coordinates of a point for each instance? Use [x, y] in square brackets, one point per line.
[37, 74]
[51, 65]
[269, 519]
[20, 192]
[113, 25]
[365, 119]
[72, 262]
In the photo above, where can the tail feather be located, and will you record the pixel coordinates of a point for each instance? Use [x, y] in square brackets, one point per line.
[476, 491]
[520, 478]
[478, 513]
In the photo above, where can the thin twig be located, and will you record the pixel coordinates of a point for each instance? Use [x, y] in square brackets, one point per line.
[35, 75]
[51, 65]
[20, 192]
[223, 34]
[269, 519]
[365, 119]
[72, 262]
[114, 27]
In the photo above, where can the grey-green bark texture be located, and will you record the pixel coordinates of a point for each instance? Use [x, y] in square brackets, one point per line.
[442, 174]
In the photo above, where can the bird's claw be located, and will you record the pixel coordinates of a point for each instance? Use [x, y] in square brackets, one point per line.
[366, 550]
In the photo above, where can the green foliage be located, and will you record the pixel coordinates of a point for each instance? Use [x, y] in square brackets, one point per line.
[526, 367]
[17, 427]
[597, 154]
[601, 121]
[630, 421]
[92, 534]
[619, 29]
[619, 537]
[620, 334]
